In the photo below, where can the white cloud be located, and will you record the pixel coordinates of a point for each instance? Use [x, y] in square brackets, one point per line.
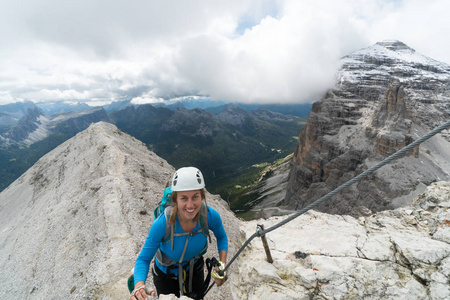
[423, 25]
[254, 50]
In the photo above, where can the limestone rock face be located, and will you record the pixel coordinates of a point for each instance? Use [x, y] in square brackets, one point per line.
[271, 189]
[398, 254]
[386, 96]
[71, 227]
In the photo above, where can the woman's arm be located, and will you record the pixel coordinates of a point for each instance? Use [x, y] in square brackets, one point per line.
[216, 225]
[152, 244]
[223, 256]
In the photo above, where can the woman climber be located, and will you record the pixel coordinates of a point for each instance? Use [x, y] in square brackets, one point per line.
[178, 240]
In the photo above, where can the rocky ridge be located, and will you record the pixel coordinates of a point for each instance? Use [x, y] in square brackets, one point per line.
[270, 191]
[74, 223]
[386, 96]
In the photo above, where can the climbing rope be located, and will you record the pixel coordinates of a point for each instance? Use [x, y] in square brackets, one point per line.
[364, 174]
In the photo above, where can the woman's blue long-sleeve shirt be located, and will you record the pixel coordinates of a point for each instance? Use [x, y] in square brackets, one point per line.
[195, 245]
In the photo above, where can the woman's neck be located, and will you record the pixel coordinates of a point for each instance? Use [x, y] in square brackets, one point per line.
[187, 225]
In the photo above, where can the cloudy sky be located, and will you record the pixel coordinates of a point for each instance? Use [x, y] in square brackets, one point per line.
[236, 50]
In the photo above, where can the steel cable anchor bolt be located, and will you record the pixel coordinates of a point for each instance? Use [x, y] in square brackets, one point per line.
[260, 233]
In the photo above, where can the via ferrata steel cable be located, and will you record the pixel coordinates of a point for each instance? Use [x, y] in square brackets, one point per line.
[364, 174]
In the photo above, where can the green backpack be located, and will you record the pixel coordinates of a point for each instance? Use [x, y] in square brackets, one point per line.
[165, 201]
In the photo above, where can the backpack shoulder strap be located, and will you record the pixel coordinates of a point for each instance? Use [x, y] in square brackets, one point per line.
[169, 227]
[203, 221]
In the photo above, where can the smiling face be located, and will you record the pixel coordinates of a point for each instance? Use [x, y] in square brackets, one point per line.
[189, 204]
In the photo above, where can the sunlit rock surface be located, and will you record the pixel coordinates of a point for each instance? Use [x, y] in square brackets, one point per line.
[397, 254]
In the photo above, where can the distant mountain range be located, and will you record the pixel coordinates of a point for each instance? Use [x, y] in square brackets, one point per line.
[19, 109]
[11, 113]
[216, 107]
[225, 145]
[230, 148]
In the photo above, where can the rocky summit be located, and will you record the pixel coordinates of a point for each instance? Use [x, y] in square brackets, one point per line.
[386, 96]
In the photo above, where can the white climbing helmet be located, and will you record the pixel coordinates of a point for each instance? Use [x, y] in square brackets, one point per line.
[187, 179]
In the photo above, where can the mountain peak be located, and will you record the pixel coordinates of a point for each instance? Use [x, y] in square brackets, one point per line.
[233, 115]
[393, 52]
[386, 96]
[395, 45]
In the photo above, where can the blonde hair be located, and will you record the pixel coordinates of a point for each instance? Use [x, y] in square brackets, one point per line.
[173, 215]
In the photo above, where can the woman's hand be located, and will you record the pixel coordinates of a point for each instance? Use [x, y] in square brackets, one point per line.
[139, 292]
[219, 282]
[219, 274]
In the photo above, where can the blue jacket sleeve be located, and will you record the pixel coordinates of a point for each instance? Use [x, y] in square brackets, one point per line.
[152, 243]
[216, 225]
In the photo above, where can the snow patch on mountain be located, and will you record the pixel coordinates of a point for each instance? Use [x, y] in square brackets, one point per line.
[397, 58]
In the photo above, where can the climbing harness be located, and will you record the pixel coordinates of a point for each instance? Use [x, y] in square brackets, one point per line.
[202, 223]
[164, 260]
[364, 174]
